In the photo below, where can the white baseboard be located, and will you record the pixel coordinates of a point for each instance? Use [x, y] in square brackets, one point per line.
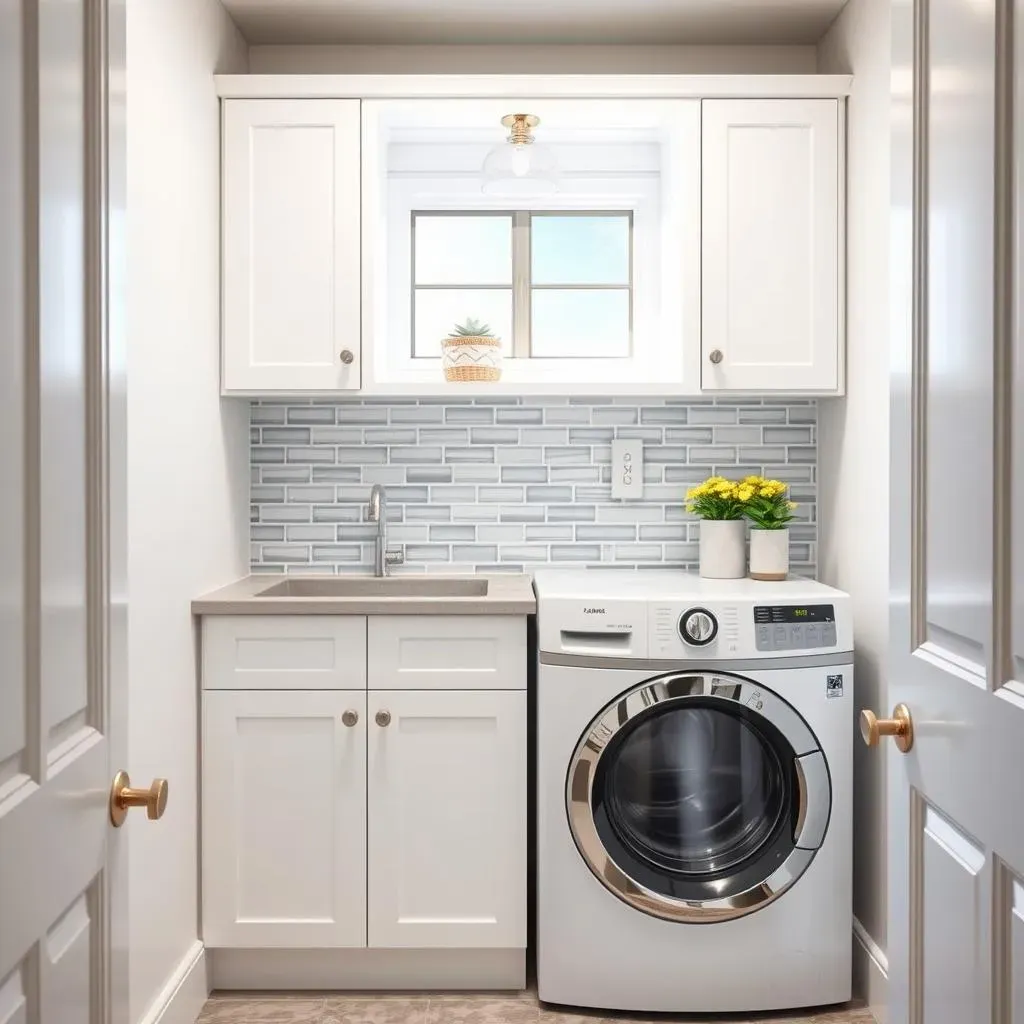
[181, 999]
[362, 969]
[870, 973]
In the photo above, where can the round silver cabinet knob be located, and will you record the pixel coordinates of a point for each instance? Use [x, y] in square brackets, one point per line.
[383, 718]
[350, 718]
[716, 356]
[698, 627]
[346, 356]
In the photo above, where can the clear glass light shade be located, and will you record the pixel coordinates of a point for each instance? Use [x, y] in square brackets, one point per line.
[512, 169]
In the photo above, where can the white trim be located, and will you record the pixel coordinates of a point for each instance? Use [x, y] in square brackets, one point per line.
[583, 86]
[367, 969]
[870, 972]
[187, 989]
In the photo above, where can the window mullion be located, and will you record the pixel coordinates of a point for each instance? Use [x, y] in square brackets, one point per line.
[521, 284]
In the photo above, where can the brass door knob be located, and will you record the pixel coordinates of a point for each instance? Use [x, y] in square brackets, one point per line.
[350, 718]
[716, 356]
[346, 356]
[900, 727]
[123, 796]
[383, 718]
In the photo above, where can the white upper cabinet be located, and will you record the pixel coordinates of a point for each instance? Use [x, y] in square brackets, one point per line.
[291, 245]
[772, 237]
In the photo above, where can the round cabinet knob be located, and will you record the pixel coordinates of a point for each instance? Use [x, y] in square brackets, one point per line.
[383, 718]
[346, 356]
[698, 627]
[900, 727]
[350, 718]
[123, 797]
[716, 356]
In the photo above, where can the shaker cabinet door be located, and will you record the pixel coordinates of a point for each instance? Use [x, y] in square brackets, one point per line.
[291, 245]
[772, 234]
[284, 818]
[446, 791]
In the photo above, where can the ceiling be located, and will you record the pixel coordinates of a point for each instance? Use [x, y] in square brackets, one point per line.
[694, 22]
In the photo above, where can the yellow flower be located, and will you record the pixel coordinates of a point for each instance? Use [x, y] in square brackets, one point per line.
[744, 492]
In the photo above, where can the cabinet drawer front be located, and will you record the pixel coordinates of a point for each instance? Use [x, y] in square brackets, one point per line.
[284, 819]
[446, 788]
[437, 652]
[284, 652]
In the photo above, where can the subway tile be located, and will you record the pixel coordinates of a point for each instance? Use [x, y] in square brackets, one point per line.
[802, 453]
[637, 553]
[591, 435]
[550, 532]
[803, 413]
[542, 495]
[444, 435]
[474, 553]
[503, 533]
[575, 552]
[285, 513]
[524, 474]
[566, 414]
[267, 414]
[347, 553]
[262, 493]
[571, 513]
[311, 414]
[666, 453]
[337, 513]
[524, 553]
[314, 494]
[763, 454]
[614, 415]
[519, 456]
[262, 455]
[688, 435]
[717, 455]
[567, 456]
[417, 414]
[429, 474]
[663, 532]
[674, 414]
[475, 473]
[481, 454]
[506, 495]
[428, 513]
[356, 532]
[389, 435]
[688, 475]
[261, 532]
[336, 474]
[407, 495]
[494, 435]
[285, 553]
[682, 552]
[360, 494]
[408, 533]
[762, 414]
[650, 435]
[336, 435]
[608, 532]
[575, 474]
[522, 513]
[588, 493]
[630, 513]
[386, 476]
[774, 435]
[447, 533]
[449, 495]
[415, 454]
[475, 513]
[519, 415]
[467, 414]
[701, 414]
[320, 455]
[311, 532]
[361, 414]
[544, 435]
[284, 474]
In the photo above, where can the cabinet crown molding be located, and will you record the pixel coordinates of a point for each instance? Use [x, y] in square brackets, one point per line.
[538, 86]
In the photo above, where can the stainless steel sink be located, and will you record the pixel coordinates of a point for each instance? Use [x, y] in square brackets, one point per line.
[372, 586]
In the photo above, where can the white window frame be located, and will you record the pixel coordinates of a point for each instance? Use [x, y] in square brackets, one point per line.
[666, 245]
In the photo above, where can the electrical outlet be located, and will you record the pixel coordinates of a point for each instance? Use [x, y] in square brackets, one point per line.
[627, 469]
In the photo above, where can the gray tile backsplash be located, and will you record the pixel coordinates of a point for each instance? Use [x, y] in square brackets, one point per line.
[507, 484]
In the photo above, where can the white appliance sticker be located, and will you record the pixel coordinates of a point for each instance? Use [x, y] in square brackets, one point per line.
[833, 686]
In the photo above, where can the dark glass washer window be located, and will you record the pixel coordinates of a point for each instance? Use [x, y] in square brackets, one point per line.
[696, 799]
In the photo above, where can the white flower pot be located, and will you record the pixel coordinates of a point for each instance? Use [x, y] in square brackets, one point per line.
[723, 549]
[769, 554]
[471, 358]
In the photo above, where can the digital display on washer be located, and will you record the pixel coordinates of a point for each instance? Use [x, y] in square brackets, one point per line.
[794, 613]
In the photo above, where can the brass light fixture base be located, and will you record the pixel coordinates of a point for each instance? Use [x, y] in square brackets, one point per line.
[521, 127]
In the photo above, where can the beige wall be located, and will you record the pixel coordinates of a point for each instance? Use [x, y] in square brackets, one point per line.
[187, 454]
[853, 441]
[532, 59]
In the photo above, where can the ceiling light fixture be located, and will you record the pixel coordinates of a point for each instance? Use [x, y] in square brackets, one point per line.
[520, 166]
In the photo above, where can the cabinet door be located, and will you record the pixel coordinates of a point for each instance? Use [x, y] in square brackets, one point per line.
[291, 201]
[771, 237]
[447, 819]
[284, 819]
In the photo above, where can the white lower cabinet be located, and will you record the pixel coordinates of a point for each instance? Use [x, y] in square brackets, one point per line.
[284, 818]
[446, 789]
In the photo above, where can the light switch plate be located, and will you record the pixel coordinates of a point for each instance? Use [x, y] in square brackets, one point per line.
[627, 470]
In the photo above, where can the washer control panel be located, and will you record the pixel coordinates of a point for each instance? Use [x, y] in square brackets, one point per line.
[794, 627]
[698, 627]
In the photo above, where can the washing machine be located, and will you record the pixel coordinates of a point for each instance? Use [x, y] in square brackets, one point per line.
[694, 774]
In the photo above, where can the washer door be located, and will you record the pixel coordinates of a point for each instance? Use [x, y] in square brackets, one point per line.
[698, 796]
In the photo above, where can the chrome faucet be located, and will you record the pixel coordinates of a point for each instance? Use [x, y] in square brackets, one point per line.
[378, 513]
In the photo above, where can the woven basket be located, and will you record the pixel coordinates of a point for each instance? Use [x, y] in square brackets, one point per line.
[471, 358]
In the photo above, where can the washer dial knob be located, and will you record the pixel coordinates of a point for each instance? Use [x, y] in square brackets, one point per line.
[698, 627]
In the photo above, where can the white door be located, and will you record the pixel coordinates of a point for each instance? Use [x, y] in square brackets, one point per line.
[291, 245]
[956, 797]
[771, 232]
[63, 871]
[284, 818]
[446, 794]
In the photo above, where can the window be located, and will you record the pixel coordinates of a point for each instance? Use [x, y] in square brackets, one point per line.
[550, 284]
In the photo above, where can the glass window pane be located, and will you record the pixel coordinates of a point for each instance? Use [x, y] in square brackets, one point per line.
[580, 250]
[464, 250]
[438, 310]
[580, 323]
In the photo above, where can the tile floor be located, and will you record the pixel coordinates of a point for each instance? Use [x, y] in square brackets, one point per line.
[483, 1008]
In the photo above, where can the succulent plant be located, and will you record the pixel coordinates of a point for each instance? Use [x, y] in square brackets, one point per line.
[471, 329]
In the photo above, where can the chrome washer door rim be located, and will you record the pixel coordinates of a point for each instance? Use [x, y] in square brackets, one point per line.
[679, 688]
